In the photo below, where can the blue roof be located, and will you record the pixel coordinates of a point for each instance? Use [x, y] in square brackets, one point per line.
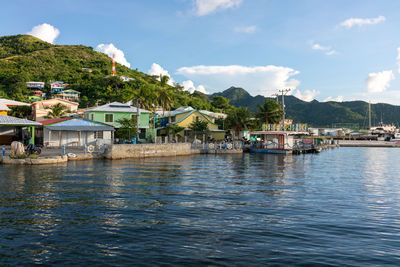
[79, 124]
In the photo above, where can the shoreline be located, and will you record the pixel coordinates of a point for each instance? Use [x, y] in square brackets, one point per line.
[122, 151]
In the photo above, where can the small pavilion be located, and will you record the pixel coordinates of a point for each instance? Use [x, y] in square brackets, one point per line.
[16, 129]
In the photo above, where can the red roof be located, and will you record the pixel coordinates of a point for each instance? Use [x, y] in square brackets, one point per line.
[52, 121]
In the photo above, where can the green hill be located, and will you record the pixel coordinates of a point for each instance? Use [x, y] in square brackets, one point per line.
[319, 113]
[26, 58]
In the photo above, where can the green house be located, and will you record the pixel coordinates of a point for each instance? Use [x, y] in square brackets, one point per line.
[111, 113]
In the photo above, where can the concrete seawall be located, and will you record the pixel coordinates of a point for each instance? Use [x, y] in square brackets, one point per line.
[123, 151]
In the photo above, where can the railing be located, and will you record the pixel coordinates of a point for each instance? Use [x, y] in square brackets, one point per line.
[234, 145]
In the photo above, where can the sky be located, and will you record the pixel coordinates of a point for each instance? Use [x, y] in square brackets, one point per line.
[332, 50]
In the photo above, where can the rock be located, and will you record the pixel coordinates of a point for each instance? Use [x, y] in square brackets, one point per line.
[17, 148]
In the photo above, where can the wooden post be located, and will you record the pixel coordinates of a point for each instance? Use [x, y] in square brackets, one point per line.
[59, 138]
[79, 138]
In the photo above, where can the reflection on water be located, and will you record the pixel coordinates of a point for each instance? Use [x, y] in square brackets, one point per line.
[340, 207]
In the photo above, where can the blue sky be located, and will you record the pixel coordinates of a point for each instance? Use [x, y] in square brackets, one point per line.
[341, 50]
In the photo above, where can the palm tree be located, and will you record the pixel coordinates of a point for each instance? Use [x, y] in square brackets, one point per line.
[269, 112]
[165, 97]
[238, 119]
[57, 111]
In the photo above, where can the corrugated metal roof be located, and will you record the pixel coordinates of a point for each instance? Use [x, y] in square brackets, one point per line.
[8, 102]
[8, 120]
[4, 107]
[52, 121]
[117, 107]
[79, 125]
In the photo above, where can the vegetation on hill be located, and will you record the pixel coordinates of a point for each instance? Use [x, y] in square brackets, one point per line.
[25, 58]
[321, 114]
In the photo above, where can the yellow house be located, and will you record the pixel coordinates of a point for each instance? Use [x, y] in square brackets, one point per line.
[184, 116]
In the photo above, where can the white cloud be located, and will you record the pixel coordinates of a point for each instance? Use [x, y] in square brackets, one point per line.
[110, 49]
[337, 99]
[320, 47]
[157, 70]
[327, 49]
[379, 82]
[307, 95]
[349, 23]
[205, 7]
[257, 80]
[398, 59]
[46, 32]
[248, 29]
[189, 86]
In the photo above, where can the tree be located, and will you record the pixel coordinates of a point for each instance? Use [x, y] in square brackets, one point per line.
[127, 131]
[238, 119]
[220, 103]
[269, 112]
[20, 111]
[198, 126]
[57, 111]
[165, 97]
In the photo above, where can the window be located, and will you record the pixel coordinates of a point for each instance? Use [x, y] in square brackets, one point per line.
[98, 135]
[142, 134]
[109, 117]
[92, 117]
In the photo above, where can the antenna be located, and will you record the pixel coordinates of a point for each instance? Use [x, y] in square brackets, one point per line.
[113, 72]
[284, 92]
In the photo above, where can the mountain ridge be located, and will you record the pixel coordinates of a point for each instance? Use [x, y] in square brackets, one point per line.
[315, 113]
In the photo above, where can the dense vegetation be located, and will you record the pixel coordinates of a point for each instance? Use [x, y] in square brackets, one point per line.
[320, 113]
[26, 58]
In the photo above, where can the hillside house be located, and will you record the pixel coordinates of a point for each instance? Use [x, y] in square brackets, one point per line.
[40, 109]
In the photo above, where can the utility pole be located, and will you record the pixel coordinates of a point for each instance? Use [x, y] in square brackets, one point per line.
[284, 92]
[369, 115]
[137, 119]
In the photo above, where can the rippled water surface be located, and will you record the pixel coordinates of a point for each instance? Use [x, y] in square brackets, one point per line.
[340, 207]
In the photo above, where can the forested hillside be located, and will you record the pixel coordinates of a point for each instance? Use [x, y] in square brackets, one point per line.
[319, 113]
[26, 58]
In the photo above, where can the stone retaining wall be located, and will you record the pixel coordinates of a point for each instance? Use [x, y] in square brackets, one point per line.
[38, 161]
[124, 151]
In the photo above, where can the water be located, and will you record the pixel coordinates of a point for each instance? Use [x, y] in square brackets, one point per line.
[338, 208]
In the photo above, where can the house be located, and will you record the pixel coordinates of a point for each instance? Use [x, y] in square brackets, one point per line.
[76, 132]
[16, 129]
[111, 113]
[57, 86]
[40, 109]
[184, 116]
[70, 94]
[5, 105]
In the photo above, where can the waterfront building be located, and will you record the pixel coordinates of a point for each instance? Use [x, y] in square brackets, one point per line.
[76, 132]
[40, 109]
[184, 116]
[5, 105]
[111, 113]
[281, 138]
[16, 129]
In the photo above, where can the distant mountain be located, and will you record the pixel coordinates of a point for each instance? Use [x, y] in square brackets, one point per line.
[318, 113]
